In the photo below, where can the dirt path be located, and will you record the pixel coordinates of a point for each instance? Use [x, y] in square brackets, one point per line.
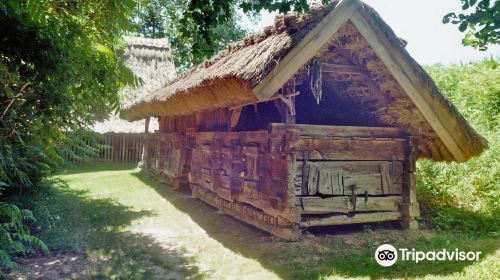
[175, 230]
[186, 226]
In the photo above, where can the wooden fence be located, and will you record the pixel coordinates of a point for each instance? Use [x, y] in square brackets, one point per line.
[123, 147]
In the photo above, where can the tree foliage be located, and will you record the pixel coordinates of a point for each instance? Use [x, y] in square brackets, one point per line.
[198, 29]
[60, 71]
[482, 24]
[172, 19]
[15, 237]
[205, 17]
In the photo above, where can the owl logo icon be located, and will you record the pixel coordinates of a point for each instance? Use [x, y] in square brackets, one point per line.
[386, 255]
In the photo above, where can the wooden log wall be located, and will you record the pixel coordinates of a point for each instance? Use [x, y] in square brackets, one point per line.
[348, 175]
[293, 176]
[247, 168]
[215, 120]
[167, 157]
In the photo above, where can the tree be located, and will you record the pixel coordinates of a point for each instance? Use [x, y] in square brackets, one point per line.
[198, 29]
[171, 19]
[482, 25]
[60, 71]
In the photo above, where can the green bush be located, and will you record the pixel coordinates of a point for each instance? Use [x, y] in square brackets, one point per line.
[15, 237]
[466, 196]
[60, 72]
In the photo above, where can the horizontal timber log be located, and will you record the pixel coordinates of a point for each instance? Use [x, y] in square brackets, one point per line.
[359, 167]
[174, 182]
[249, 215]
[342, 69]
[343, 204]
[356, 219]
[318, 205]
[346, 149]
[388, 203]
[339, 131]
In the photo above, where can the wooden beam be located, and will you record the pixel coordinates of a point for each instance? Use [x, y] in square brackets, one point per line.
[342, 69]
[146, 124]
[318, 205]
[313, 42]
[356, 219]
[347, 149]
[432, 108]
[343, 204]
[387, 203]
[410, 208]
[340, 131]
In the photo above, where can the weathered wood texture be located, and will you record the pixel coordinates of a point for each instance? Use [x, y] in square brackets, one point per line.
[214, 120]
[292, 176]
[249, 214]
[321, 142]
[338, 131]
[356, 219]
[167, 157]
[345, 204]
[435, 110]
[339, 177]
[246, 167]
[351, 149]
[410, 209]
[315, 40]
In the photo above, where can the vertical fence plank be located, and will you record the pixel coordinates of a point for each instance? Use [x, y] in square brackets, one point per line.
[123, 155]
[112, 148]
[122, 148]
[108, 151]
[132, 145]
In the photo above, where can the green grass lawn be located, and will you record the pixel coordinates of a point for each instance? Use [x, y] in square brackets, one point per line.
[127, 226]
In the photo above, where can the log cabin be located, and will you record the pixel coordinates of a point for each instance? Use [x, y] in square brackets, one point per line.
[317, 120]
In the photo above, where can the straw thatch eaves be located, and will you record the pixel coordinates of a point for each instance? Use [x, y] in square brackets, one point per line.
[151, 61]
[392, 83]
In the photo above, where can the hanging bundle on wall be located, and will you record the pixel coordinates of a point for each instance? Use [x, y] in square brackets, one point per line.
[316, 79]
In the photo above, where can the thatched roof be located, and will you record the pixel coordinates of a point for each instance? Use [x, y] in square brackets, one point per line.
[254, 68]
[150, 60]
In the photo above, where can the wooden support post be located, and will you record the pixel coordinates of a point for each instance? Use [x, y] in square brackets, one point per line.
[409, 208]
[146, 125]
[286, 108]
[295, 213]
[145, 152]
[144, 157]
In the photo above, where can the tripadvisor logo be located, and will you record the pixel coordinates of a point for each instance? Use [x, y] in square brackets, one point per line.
[387, 255]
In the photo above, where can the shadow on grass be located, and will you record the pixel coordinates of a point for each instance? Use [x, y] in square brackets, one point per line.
[344, 250]
[97, 167]
[70, 220]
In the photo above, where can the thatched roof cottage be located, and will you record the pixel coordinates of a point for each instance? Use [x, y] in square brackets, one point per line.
[317, 120]
[150, 60]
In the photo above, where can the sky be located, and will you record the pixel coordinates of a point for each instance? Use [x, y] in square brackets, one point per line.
[420, 23]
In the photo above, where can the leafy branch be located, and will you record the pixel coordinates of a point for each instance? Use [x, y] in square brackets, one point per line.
[482, 25]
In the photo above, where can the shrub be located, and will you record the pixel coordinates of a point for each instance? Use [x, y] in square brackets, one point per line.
[60, 71]
[466, 196]
[15, 237]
